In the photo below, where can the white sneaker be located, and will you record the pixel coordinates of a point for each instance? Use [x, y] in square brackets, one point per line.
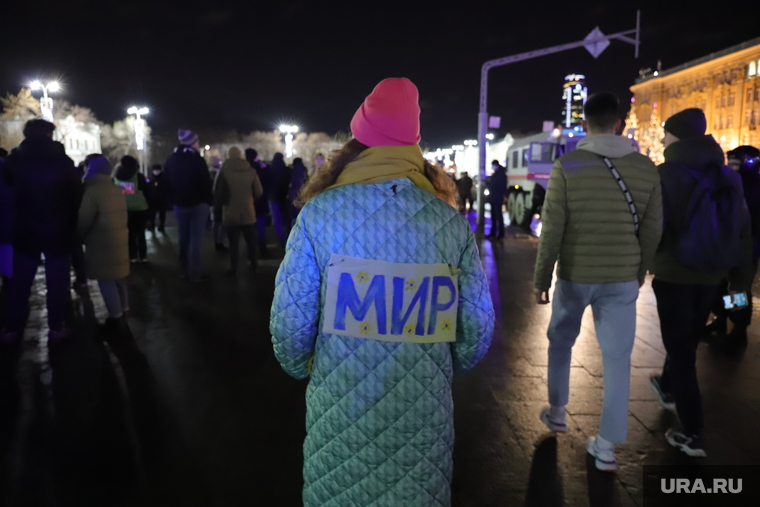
[605, 459]
[551, 423]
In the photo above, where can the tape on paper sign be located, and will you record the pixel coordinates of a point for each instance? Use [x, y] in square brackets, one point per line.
[389, 301]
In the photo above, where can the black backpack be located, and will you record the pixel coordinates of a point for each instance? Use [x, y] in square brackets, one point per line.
[710, 233]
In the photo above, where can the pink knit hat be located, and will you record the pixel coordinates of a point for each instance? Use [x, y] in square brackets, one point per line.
[389, 116]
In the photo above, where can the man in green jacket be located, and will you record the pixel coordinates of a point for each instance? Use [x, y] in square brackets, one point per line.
[604, 244]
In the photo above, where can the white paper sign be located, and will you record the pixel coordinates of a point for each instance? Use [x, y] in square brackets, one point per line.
[388, 301]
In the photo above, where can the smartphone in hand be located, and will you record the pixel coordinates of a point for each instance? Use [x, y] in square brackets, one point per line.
[735, 302]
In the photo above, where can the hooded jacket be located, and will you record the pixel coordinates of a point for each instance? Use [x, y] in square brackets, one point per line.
[186, 177]
[379, 419]
[102, 225]
[586, 220]
[237, 186]
[702, 154]
[47, 190]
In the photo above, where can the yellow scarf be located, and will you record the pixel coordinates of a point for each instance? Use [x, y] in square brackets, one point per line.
[384, 163]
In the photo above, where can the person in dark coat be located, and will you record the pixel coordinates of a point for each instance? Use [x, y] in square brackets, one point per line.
[158, 200]
[6, 227]
[746, 161]
[464, 185]
[685, 294]
[298, 177]
[136, 190]
[261, 204]
[189, 188]
[47, 191]
[278, 197]
[497, 191]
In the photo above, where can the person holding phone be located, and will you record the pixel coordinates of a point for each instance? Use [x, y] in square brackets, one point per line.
[745, 160]
[707, 237]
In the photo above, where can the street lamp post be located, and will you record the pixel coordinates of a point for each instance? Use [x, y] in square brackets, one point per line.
[595, 43]
[139, 132]
[288, 131]
[46, 103]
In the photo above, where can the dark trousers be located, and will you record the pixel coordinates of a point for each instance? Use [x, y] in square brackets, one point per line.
[57, 277]
[261, 232]
[249, 234]
[136, 222]
[683, 311]
[77, 262]
[160, 212]
[281, 218]
[741, 318]
[497, 220]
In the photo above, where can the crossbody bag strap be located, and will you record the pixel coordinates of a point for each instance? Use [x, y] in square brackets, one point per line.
[626, 193]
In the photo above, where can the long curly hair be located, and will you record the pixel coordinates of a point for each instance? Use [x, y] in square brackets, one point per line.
[324, 178]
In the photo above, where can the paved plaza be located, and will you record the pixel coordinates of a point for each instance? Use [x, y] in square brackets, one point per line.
[197, 412]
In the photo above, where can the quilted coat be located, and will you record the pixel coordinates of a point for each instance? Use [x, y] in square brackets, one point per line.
[380, 429]
[586, 220]
[102, 225]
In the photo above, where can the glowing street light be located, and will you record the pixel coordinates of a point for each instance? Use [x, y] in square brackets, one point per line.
[139, 132]
[46, 103]
[288, 130]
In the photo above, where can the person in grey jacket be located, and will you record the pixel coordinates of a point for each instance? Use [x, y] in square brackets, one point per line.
[236, 189]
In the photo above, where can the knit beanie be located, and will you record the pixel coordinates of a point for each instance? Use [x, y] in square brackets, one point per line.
[187, 137]
[389, 116]
[687, 123]
[234, 152]
[98, 165]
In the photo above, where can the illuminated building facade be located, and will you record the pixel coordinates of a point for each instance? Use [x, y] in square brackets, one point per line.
[574, 95]
[726, 85]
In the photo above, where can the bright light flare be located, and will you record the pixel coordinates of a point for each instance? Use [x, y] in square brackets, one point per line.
[35, 85]
[137, 110]
[53, 86]
[288, 129]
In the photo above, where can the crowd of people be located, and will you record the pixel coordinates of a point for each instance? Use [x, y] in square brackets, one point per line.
[610, 218]
[93, 218]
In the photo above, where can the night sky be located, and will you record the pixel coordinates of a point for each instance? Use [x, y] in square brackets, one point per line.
[215, 66]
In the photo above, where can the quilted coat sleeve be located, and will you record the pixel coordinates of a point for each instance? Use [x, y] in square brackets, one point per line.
[475, 319]
[295, 309]
[650, 230]
[553, 220]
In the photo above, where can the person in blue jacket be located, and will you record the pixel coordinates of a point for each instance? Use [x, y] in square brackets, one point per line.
[380, 299]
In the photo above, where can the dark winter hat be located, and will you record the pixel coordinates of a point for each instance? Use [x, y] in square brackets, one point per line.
[687, 123]
[129, 162]
[743, 152]
[98, 165]
[187, 137]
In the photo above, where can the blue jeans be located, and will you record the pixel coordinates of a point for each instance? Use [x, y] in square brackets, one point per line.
[191, 224]
[614, 307]
[57, 273]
